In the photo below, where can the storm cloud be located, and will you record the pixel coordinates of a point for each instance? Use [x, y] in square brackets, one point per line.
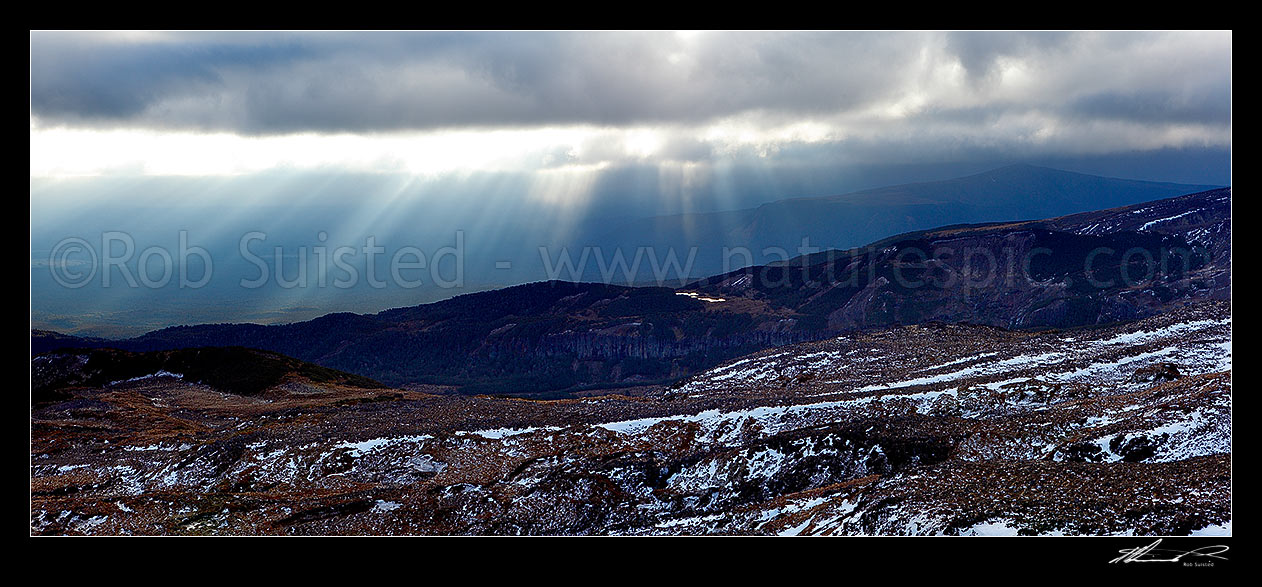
[690, 104]
[256, 83]
[399, 81]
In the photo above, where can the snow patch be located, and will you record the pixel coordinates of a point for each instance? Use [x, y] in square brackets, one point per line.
[160, 373]
[1223, 529]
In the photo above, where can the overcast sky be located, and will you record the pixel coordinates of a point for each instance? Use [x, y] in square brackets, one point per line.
[432, 103]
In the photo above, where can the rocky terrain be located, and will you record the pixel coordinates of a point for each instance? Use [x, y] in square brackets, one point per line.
[936, 428]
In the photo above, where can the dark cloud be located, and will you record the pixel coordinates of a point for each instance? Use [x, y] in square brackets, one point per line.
[75, 78]
[979, 52]
[391, 81]
[1207, 106]
[926, 95]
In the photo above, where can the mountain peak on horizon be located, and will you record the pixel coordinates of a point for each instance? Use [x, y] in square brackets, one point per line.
[1019, 176]
[1019, 171]
[975, 188]
[1030, 169]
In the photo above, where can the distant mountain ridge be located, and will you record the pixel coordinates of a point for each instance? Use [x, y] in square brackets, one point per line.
[1089, 268]
[550, 338]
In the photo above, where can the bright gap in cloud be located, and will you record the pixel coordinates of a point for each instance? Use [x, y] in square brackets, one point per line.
[72, 152]
[60, 152]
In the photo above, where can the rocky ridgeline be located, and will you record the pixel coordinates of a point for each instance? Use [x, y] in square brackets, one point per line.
[931, 429]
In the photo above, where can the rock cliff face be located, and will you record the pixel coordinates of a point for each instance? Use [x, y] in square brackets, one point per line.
[955, 429]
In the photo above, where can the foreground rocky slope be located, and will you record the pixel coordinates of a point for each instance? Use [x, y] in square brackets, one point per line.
[930, 429]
